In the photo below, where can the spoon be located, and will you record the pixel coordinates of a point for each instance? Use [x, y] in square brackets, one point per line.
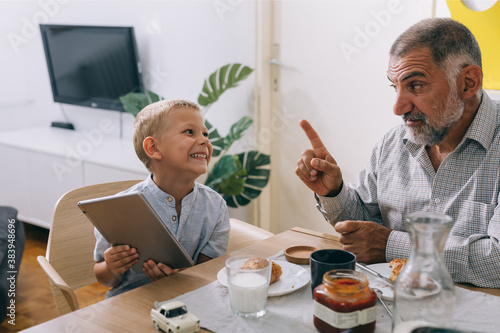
[379, 296]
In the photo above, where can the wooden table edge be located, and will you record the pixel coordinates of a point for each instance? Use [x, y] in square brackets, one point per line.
[315, 233]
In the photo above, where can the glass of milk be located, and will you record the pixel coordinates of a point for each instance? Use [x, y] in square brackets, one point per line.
[248, 287]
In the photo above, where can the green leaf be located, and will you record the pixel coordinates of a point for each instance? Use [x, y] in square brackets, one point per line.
[230, 201]
[223, 169]
[218, 142]
[222, 76]
[220, 81]
[227, 176]
[154, 97]
[236, 131]
[205, 100]
[134, 102]
[234, 184]
[256, 178]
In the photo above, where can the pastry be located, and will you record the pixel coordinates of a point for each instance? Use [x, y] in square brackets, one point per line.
[396, 265]
[258, 263]
[275, 273]
[254, 263]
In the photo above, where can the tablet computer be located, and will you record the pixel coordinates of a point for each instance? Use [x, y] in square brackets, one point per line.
[129, 219]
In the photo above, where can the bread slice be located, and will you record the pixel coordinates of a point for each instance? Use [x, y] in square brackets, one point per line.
[396, 265]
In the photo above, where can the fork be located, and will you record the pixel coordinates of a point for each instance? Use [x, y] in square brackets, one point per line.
[379, 296]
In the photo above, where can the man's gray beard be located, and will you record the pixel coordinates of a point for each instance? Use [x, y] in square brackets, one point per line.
[428, 135]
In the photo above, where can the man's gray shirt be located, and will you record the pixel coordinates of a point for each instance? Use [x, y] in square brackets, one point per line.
[400, 179]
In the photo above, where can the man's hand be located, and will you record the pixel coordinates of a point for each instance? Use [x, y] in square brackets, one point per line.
[316, 167]
[157, 271]
[120, 258]
[367, 240]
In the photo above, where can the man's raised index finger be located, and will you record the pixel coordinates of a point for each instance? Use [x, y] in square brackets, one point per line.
[313, 137]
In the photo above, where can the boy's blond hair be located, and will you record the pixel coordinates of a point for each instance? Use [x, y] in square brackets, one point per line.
[153, 121]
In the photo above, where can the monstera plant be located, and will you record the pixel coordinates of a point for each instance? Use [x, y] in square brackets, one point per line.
[239, 177]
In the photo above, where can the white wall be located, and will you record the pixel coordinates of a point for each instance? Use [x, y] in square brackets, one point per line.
[336, 53]
[180, 43]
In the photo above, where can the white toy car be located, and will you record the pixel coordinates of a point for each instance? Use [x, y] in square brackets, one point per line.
[173, 317]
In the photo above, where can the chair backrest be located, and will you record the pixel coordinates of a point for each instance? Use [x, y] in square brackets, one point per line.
[243, 234]
[70, 248]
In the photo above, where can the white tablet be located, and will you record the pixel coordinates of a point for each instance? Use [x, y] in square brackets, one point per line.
[130, 219]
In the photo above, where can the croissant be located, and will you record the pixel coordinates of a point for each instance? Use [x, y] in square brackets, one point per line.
[257, 263]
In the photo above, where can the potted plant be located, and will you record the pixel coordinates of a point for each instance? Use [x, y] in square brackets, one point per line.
[240, 177]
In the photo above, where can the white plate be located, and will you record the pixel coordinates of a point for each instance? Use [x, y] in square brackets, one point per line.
[385, 270]
[293, 278]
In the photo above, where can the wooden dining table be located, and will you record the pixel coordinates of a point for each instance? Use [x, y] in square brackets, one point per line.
[130, 311]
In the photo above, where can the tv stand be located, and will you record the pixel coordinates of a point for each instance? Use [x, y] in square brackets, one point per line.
[59, 124]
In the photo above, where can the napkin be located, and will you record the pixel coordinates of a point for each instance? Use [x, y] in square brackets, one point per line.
[287, 313]
[293, 312]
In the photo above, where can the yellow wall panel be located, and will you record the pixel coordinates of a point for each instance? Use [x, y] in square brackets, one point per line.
[485, 25]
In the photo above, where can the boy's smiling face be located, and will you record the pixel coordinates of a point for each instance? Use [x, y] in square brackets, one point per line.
[184, 145]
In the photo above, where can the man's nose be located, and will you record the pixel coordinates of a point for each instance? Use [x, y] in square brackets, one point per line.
[402, 104]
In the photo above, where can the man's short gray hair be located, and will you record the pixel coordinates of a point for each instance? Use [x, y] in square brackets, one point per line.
[452, 44]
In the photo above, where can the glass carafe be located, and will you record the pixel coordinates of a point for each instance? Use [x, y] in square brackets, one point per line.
[424, 294]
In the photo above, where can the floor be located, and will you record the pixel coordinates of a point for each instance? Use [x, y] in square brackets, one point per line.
[34, 302]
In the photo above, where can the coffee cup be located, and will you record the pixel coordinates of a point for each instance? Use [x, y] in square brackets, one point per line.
[323, 261]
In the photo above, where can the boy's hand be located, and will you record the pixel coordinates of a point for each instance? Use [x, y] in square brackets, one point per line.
[157, 271]
[120, 258]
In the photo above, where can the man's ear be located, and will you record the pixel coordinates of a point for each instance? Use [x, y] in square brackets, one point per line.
[470, 81]
[150, 146]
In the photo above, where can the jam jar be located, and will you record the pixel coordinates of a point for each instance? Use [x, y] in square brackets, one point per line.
[344, 303]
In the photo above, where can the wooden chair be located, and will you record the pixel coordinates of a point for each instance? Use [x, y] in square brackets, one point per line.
[243, 234]
[69, 260]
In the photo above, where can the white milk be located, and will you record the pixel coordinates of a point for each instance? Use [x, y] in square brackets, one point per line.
[248, 292]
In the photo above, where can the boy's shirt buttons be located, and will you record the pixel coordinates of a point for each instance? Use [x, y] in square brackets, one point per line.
[174, 218]
[170, 199]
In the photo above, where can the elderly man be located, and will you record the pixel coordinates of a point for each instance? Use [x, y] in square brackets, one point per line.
[444, 158]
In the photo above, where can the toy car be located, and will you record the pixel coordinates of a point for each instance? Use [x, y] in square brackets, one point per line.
[173, 317]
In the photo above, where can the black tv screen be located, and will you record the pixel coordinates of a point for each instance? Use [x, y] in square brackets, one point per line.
[91, 65]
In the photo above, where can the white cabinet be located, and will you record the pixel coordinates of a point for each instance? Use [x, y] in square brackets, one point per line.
[96, 174]
[39, 165]
[46, 186]
[14, 183]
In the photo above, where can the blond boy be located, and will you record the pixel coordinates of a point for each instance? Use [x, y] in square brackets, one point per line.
[171, 139]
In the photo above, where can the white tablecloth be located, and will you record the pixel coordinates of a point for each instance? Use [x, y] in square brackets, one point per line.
[294, 312]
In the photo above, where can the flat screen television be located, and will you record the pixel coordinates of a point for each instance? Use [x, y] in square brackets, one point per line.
[91, 65]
